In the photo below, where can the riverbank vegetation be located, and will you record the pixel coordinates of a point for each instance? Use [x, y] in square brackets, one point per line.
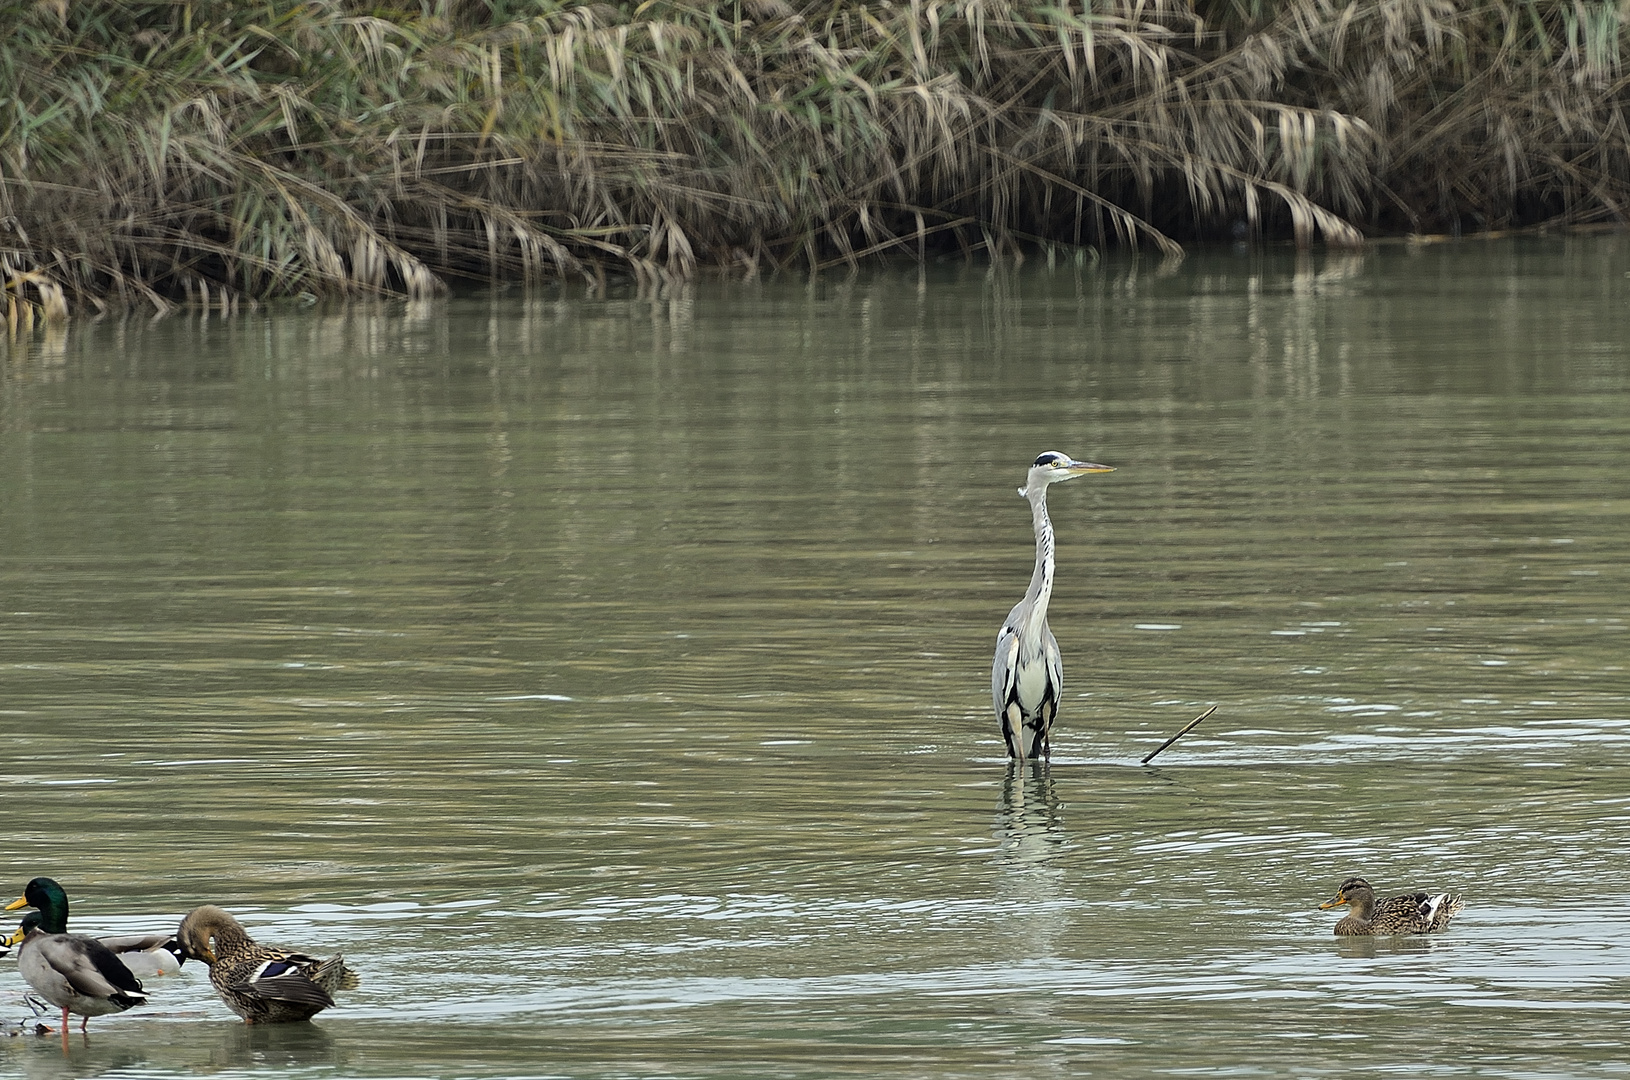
[202, 151]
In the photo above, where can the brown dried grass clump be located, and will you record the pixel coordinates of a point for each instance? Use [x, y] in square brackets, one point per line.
[207, 151]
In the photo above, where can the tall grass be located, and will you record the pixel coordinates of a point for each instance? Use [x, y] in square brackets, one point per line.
[205, 151]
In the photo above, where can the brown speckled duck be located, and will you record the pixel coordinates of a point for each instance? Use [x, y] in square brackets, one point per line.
[261, 983]
[1411, 913]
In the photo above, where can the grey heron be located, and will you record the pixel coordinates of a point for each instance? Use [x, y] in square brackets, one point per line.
[1027, 678]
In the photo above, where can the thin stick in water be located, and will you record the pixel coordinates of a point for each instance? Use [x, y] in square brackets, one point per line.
[1188, 727]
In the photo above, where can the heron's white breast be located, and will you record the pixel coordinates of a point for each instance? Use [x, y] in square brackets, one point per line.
[1032, 680]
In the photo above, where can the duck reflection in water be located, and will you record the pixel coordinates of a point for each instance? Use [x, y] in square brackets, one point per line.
[1368, 948]
[261, 1046]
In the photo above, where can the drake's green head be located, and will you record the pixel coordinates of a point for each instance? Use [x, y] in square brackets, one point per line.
[47, 895]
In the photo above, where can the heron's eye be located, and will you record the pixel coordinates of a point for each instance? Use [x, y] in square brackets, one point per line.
[1049, 458]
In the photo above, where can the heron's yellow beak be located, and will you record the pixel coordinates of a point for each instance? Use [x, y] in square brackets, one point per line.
[21, 901]
[1335, 901]
[1087, 466]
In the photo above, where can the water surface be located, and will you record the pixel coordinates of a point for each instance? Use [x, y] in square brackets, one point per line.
[608, 676]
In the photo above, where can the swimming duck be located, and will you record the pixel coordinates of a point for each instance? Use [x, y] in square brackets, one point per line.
[1411, 913]
[77, 974]
[145, 955]
[261, 983]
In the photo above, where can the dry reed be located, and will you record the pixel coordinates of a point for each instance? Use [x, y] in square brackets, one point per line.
[198, 152]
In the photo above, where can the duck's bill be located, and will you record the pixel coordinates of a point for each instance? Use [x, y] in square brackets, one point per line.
[1335, 901]
[21, 901]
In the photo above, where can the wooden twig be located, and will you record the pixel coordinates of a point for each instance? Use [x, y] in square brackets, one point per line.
[1188, 727]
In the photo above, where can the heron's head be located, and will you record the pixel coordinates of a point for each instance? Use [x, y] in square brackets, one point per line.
[1355, 890]
[1054, 468]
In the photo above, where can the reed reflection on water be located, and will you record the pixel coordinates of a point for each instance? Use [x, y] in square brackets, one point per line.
[606, 677]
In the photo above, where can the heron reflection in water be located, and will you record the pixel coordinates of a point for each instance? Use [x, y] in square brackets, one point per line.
[1029, 829]
[1027, 678]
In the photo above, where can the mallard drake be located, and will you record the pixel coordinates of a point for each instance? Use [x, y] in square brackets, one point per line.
[1411, 913]
[261, 983]
[145, 955]
[77, 974]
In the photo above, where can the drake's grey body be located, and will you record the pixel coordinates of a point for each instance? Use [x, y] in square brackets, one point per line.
[78, 975]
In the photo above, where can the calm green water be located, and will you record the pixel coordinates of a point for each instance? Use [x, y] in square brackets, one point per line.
[608, 677]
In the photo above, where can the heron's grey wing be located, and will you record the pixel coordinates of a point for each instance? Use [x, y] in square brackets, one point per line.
[1055, 668]
[1004, 671]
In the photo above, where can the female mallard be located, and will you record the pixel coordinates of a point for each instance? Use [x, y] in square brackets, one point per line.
[1411, 913]
[77, 974]
[261, 983]
[144, 954]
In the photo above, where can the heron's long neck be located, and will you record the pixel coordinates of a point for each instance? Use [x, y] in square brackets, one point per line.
[1041, 580]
